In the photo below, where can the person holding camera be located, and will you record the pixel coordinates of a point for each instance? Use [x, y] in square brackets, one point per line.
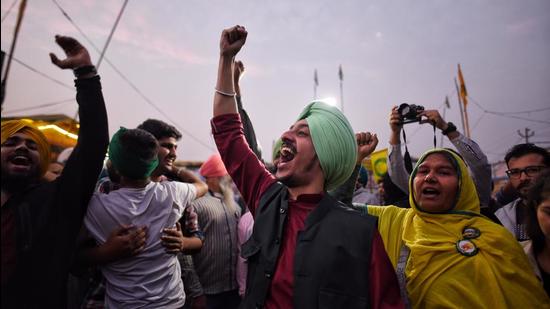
[467, 148]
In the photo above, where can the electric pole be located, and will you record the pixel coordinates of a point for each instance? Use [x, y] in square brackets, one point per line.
[526, 136]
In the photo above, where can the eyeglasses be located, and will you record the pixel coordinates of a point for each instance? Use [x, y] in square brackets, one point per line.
[530, 171]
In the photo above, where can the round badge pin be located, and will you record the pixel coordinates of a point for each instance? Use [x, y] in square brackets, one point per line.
[470, 233]
[466, 247]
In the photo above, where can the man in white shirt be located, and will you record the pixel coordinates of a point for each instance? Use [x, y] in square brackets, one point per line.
[151, 278]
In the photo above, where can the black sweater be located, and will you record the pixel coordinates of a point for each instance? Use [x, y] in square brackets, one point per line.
[49, 215]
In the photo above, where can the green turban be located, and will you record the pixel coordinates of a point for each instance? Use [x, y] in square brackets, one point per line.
[127, 162]
[334, 142]
[276, 149]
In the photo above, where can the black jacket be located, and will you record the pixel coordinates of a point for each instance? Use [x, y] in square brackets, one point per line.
[332, 257]
[49, 216]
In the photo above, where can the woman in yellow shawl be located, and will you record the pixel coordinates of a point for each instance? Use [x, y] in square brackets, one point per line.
[448, 255]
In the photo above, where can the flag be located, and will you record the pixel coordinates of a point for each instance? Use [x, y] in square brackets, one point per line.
[340, 73]
[315, 79]
[378, 163]
[447, 104]
[463, 92]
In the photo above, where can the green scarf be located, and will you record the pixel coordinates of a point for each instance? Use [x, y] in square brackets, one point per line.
[128, 163]
[334, 142]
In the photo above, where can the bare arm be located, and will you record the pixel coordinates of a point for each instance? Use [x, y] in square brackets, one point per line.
[396, 167]
[231, 41]
[185, 175]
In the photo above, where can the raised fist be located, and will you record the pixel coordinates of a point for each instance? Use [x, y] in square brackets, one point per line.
[232, 40]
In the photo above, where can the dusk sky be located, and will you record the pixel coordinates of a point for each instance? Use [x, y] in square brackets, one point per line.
[390, 51]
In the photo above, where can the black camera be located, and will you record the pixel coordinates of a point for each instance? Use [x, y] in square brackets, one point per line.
[409, 113]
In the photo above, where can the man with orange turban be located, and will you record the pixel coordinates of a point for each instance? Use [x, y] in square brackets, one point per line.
[218, 216]
[41, 220]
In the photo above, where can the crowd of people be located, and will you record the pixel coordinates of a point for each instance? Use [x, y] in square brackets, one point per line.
[134, 230]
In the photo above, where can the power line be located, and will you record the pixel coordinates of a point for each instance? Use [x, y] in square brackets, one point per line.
[111, 34]
[150, 102]
[39, 106]
[43, 74]
[525, 112]
[9, 10]
[76, 26]
[509, 116]
[478, 121]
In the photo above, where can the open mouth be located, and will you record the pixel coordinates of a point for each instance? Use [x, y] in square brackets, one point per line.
[430, 192]
[287, 152]
[20, 160]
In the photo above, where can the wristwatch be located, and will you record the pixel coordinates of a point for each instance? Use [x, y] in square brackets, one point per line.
[450, 128]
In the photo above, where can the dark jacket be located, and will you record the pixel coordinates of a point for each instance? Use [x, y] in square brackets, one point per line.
[332, 257]
[49, 215]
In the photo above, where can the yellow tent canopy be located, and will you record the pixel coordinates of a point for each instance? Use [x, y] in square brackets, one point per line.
[60, 130]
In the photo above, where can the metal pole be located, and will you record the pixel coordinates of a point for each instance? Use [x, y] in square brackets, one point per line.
[527, 135]
[341, 77]
[111, 34]
[314, 91]
[342, 94]
[441, 139]
[460, 106]
[20, 14]
[466, 122]
[315, 84]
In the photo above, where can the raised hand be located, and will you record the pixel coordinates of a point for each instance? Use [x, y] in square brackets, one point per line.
[395, 120]
[232, 40]
[77, 55]
[366, 144]
[238, 71]
[395, 125]
[433, 117]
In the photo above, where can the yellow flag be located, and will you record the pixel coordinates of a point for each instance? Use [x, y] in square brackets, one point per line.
[378, 163]
[463, 92]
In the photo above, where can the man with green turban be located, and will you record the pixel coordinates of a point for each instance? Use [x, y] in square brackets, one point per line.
[307, 249]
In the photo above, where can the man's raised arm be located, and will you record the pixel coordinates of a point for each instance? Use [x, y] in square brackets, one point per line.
[231, 41]
[78, 179]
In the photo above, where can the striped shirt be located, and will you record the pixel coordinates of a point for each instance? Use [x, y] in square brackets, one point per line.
[216, 263]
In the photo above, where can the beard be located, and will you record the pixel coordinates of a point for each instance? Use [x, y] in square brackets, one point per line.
[294, 180]
[524, 188]
[12, 182]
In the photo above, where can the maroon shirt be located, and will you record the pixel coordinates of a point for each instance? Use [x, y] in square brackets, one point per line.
[252, 179]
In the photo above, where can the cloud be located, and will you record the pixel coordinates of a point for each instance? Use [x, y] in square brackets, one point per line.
[378, 35]
[159, 47]
[522, 27]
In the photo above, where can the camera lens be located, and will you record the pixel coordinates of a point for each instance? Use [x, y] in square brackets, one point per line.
[404, 109]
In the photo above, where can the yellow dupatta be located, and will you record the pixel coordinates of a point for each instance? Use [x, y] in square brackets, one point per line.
[437, 274]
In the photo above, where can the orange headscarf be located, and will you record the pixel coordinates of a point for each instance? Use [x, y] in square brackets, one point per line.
[10, 127]
[213, 167]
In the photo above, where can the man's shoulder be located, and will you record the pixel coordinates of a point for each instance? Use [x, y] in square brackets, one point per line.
[508, 207]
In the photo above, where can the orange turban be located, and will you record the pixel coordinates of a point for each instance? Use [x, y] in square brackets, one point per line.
[10, 127]
[213, 167]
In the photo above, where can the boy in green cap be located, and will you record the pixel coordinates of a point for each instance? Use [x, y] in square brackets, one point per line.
[152, 277]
